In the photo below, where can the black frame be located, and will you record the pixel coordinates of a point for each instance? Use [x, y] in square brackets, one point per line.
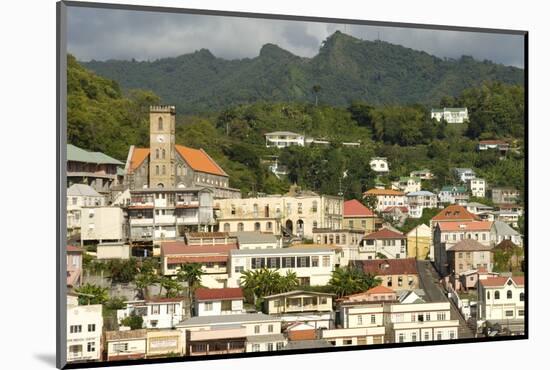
[61, 113]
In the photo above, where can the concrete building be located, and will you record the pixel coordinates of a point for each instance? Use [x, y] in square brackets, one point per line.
[419, 200]
[384, 242]
[126, 344]
[500, 231]
[163, 343]
[419, 240]
[313, 266]
[450, 115]
[257, 240]
[74, 266]
[157, 312]
[408, 184]
[387, 198]
[346, 243]
[424, 174]
[294, 214]
[477, 187]
[454, 195]
[283, 139]
[501, 300]
[215, 302]
[358, 217]
[115, 250]
[168, 165]
[103, 224]
[505, 195]
[299, 306]
[464, 175]
[397, 274]
[206, 335]
[466, 255]
[84, 328]
[95, 169]
[478, 208]
[79, 196]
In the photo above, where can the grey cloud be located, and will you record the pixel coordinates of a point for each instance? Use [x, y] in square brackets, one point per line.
[119, 34]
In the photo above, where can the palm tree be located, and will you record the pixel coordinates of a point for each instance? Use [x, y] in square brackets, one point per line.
[288, 282]
[316, 89]
[143, 281]
[191, 273]
[345, 281]
[91, 294]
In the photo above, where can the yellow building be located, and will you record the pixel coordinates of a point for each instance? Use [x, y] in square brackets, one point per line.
[418, 242]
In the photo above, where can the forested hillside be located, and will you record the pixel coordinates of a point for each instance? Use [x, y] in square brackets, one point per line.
[346, 69]
[101, 117]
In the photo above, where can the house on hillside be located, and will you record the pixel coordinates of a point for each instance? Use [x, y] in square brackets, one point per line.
[384, 242]
[358, 217]
[408, 184]
[379, 165]
[397, 274]
[501, 300]
[454, 194]
[419, 240]
[450, 115]
[283, 139]
[387, 198]
[419, 200]
[221, 301]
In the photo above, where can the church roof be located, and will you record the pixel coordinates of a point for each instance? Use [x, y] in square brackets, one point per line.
[197, 159]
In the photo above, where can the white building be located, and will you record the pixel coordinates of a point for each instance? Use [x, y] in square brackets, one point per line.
[115, 250]
[204, 335]
[215, 302]
[103, 224]
[379, 165]
[478, 208]
[477, 187]
[126, 344]
[450, 115]
[157, 313]
[84, 328]
[502, 300]
[424, 174]
[387, 198]
[257, 240]
[283, 139]
[408, 184]
[384, 242]
[454, 194]
[78, 196]
[296, 214]
[419, 200]
[313, 266]
[464, 174]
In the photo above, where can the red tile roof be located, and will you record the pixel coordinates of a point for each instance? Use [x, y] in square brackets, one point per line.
[72, 248]
[181, 248]
[384, 234]
[466, 226]
[389, 266]
[205, 294]
[380, 290]
[197, 159]
[500, 281]
[383, 192]
[354, 208]
[455, 213]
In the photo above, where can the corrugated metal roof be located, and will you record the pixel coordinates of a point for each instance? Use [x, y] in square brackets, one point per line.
[227, 319]
[77, 154]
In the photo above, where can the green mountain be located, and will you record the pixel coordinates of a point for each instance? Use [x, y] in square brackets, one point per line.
[346, 69]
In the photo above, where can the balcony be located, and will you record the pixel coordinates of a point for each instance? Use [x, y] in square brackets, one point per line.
[141, 222]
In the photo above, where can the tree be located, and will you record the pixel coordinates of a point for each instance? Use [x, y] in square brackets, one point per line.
[91, 294]
[133, 321]
[171, 286]
[264, 281]
[350, 280]
[370, 201]
[143, 281]
[123, 271]
[190, 273]
[316, 89]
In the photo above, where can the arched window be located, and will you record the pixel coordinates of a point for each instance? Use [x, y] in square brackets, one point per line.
[337, 239]
[257, 226]
[343, 238]
[497, 295]
[157, 155]
[240, 226]
[226, 227]
[160, 123]
[509, 294]
[163, 153]
[163, 169]
[488, 295]
[269, 226]
[521, 297]
[255, 210]
[156, 170]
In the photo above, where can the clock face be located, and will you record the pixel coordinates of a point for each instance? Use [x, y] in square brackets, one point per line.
[160, 139]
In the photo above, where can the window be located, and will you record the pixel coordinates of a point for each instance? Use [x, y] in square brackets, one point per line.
[299, 208]
[256, 329]
[521, 312]
[256, 263]
[509, 313]
[439, 335]
[521, 296]
[226, 227]
[373, 319]
[269, 226]
[233, 210]
[74, 201]
[350, 224]
[389, 281]
[160, 126]
[170, 308]
[348, 342]
[270, 346]
[413, 337]
[240, 226]
[239, 269]
[255, 348]
[360, 320]
[208, 306]
[400, 280]
[323, 300]
[451, 335]
[509, 294]
[497, 295]
[157, 151]
[76, 328]
[91, 327]
[273, 262]
[91, 347]
[255, 210]
[163, 169]
[155, 309]
[303, 262]
[459, 254]
[270, 328]
[427, 317]
[280, 346]
[157, 170]
[426, 335]
[488, 295]
[441, 316]
[163, 153]
[401, 337]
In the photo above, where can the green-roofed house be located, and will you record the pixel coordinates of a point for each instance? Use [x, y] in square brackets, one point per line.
[95, 169]
[450, 115]
[454, 194]
[408, 184]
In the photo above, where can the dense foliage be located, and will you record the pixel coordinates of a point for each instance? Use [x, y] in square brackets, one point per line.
[350, 280]
[344, 70]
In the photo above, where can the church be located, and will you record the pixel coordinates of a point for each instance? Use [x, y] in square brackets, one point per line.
[168, 165]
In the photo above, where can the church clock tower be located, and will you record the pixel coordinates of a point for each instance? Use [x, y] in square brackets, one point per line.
[162, 137]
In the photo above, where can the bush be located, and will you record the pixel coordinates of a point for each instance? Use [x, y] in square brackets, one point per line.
[133, 321]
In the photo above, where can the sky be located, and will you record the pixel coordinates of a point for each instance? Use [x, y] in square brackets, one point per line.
[103, 34]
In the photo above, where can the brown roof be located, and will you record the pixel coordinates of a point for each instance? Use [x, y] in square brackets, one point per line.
[205, 294]
[454, 213]
[399, 266]
[181, 248]
[384, 234]
[126, 334]
[500, 281]
[383, 192]
[469, 245]
[354, 208]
